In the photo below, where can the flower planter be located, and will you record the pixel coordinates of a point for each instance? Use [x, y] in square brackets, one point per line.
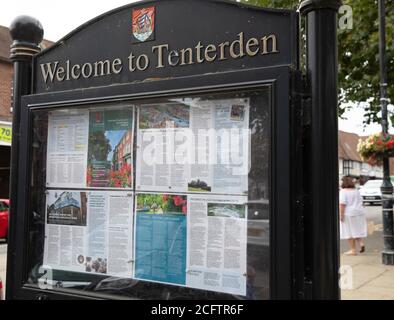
[375, 148]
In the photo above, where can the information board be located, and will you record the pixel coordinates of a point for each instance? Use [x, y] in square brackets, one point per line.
[185, 221]
[155, 154]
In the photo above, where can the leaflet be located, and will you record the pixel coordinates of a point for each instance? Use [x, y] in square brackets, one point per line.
[160, 238]
[92, 148]
[110, 152]
[67, 148]
[194, 146]
[197, 241]
[89, 232]
[217, 240]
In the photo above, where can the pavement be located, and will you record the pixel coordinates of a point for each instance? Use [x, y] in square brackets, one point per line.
[371, 280]
[3, 262]
[364, 277]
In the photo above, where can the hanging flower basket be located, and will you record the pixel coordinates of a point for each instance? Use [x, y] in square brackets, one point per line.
[375, 148]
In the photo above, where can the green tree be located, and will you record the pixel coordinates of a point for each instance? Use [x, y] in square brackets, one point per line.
[279, 4]
[99, 146]
[358, 53]
[359, 56]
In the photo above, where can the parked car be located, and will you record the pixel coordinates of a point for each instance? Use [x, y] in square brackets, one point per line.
[370, 192]
[4, 207]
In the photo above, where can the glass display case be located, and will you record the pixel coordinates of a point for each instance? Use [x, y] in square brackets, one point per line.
[158, 198]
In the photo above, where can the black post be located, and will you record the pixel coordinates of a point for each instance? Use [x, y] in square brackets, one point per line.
[321, 220]
[27, 33]
[387, 187]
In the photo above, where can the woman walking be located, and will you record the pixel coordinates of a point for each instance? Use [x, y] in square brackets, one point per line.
[353, 226]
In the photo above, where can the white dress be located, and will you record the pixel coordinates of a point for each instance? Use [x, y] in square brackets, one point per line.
[355, 222]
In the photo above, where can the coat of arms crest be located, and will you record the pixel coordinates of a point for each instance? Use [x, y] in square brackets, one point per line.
[144, 23]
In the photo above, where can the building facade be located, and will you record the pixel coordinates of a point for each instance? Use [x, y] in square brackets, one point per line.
[122, 152]
[6, 76]
[350, 161]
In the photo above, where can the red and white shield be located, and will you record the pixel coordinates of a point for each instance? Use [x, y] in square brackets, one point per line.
[143, 23]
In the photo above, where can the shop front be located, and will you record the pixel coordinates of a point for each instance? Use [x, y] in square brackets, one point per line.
[5, 158]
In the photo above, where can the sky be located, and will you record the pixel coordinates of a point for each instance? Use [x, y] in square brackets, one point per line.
[114, 138]
[61, 17]
[352, 121]
[58, 17]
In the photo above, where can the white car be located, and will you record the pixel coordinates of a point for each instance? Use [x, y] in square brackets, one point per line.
[370, 191]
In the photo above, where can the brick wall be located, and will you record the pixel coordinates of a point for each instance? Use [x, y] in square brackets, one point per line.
[6, 72]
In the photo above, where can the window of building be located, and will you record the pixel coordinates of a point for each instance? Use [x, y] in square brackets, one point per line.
[347, 167]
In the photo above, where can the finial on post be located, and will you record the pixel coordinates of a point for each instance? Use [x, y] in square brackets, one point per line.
[311, 5]
[27, 33]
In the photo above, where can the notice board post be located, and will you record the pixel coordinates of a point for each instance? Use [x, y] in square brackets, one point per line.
[27, 33]
[322, 217]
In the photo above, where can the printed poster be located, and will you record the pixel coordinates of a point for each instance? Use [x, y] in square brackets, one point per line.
[197, 241]
[160, 240]
[195, 146]
[90, 148]
[67, 148]
[89, 232]
[110, 149]
[217, 243]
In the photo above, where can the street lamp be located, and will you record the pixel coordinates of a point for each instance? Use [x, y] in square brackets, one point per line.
[387, 187]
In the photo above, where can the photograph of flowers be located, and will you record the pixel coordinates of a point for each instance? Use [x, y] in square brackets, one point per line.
[110, 151]
[151, 203]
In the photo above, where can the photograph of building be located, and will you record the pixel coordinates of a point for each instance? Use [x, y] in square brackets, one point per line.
[122, 152]
[68, 208]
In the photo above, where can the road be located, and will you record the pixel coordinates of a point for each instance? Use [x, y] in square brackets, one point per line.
[3, 260]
